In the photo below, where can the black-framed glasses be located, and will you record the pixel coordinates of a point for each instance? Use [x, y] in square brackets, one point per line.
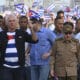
[68, 33]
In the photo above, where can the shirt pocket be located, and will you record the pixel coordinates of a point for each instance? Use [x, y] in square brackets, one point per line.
[60, 51]
[73, 48]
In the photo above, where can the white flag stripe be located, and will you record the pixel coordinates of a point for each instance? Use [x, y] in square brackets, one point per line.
[47, 17]
[10, 66]
[41, 10]
[11, 41]
[19, 6]
[51, 7]
[11, 33]
[11, 50]
[11, 59]
[18, 10]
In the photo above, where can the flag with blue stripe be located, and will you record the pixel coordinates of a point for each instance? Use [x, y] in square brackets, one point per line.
[33, 14]
[51, 7]
[41, 11]
[20, 8]
[35, 4]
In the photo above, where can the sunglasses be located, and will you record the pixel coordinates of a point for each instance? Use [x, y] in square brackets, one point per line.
[68, 33]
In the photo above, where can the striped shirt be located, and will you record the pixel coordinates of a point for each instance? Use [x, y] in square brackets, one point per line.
[11, 55]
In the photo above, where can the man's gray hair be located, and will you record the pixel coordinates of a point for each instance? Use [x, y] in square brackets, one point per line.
[7, 17]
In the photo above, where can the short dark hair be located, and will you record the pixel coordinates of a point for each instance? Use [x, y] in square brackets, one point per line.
[1, 17]
[59, 12]
[23, 17]
[35, 20]
[57, 19]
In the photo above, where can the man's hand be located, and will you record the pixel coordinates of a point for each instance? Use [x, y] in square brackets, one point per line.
[45, 55]
[30, 25]
[52, 73]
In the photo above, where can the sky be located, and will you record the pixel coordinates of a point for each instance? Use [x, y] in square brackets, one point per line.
[2, 2]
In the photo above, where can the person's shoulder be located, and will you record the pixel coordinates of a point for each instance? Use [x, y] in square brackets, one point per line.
[20, 31]
[59, 39]
[75, 40]
[3, 32]
[48, 31]
[77, 35]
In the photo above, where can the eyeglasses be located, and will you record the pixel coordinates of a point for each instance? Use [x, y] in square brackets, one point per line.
[68, 33]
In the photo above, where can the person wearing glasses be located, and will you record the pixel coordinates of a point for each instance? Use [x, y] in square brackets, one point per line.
[65, 55]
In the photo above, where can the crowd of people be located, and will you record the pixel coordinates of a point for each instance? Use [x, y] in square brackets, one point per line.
[32, 48]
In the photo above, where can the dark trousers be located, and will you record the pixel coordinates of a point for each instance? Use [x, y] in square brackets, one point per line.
[78, 73]
[28, 73]
[65, 78]
[68, 78]
[1, 72]
[13, 74]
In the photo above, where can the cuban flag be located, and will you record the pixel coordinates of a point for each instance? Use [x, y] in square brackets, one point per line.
[47, 16]
[75, 10]
[51, 7]
[40, 11]
[33, 14]
[35, 4]
[19, 7]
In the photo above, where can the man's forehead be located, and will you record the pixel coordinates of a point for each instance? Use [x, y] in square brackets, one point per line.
[61, 14]
[23, 19]
[12, 18]
[60, 20]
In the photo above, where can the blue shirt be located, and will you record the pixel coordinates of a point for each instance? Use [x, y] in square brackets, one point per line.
[58, 35]
[46, 39]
